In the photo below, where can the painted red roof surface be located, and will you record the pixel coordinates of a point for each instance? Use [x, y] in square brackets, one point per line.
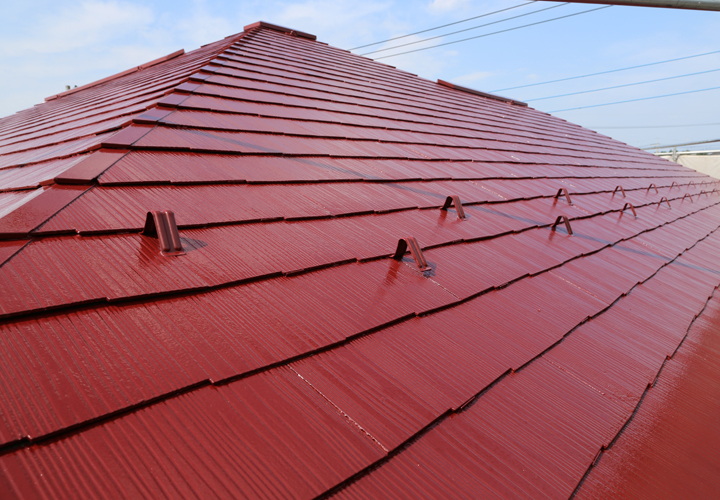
[286, 353]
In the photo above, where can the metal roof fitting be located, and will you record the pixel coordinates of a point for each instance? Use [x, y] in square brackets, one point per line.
[563, 218]
[281, 29]
[691, 182]
[628, 205]
[481, 94]
[564, 192]
[415, 251]
[674, 184]
[714, 191]
[161, 225]
[651, 186]
[455, 200]
[621, 190]
[687, 194]
[665, 200]
[703, 192]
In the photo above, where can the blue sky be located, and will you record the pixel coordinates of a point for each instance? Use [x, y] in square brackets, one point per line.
[46, 45]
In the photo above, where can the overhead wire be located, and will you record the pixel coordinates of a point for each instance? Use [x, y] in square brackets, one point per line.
[443, 26]
[466, 29]
[634, 100]
[606, 72]
[621, 86]
[656, 126]
[495, 32]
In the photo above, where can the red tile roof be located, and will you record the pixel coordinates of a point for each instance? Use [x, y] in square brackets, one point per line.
[286, 353]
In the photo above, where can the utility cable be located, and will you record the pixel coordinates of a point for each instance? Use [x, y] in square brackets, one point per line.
[659, 126]
[634, 100]
[495, 32]
[466, 29]
[606, 72]
[625, 85]
[443, 26]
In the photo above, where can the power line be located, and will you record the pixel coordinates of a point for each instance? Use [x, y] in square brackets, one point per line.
[710, 141]
[443, 26]
[657, 126]
[496, 32]
[466, 29]
[606, 72]
[625, 85]
[633, 100]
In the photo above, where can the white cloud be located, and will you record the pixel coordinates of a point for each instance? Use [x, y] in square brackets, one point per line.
[473, 77]
[202, 26]
[447, 5]
[341, 23]
[324, 13]
[87, 24]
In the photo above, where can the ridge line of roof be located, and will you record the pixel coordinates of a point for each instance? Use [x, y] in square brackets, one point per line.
[481, 93]
[146, 65]
[149, 64]
[281, 29]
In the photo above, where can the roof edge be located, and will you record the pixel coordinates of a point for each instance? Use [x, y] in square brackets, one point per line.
[482, 94]
[154, 62]
[281, 29]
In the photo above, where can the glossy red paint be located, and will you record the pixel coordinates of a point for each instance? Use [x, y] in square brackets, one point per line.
[286, 354]
[657, 453]
[90, 168]
[23, 220]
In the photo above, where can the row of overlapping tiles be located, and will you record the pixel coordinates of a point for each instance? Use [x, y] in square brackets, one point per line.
[184, 168]
[143, 167]
[238, 252]
[680, 412]
[107, 209]
[311, 424]
[62, 271]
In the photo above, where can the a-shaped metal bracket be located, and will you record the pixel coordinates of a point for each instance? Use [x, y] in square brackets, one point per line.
[665, 200]
[714, 191]
[564, 192]
[685, 196]
[691, 183]
[455, 200]
[626, 206]
[652, 186]
[674, 184]
[563, 218]
[415, 251]
[161, 225]
[703, 192]
[621, 190]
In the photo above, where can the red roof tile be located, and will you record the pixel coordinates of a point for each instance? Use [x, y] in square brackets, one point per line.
[286, 353]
